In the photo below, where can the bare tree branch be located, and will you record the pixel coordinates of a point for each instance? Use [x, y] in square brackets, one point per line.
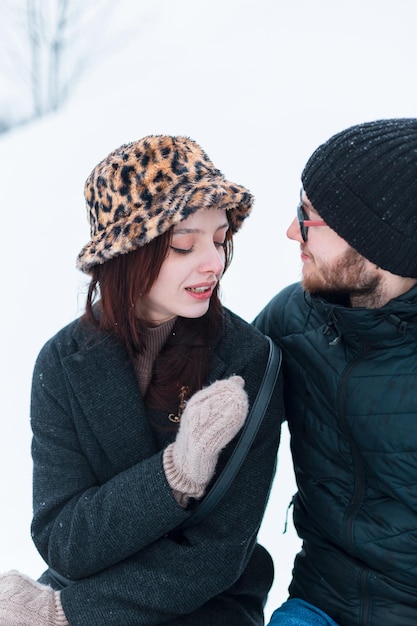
[53, 43]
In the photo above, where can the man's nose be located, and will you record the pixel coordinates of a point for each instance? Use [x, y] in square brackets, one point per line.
[293, 231]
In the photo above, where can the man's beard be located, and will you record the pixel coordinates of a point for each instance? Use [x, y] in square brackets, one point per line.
[348, 276]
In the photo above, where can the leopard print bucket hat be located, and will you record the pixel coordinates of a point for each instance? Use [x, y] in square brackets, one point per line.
[143, 188]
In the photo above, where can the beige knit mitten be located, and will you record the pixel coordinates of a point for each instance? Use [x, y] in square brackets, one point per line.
[25, 602]
[211, 419]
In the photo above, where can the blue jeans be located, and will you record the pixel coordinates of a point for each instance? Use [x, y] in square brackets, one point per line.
[295, 612]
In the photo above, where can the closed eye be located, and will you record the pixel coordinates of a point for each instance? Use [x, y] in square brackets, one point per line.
[181, 250]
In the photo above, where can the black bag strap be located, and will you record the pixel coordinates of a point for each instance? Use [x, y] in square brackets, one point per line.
[250, 429]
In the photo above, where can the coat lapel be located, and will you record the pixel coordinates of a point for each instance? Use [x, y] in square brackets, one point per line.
[103, 380]
[217, 368]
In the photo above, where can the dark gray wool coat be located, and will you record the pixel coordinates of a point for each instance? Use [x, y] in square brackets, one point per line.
[103, 510]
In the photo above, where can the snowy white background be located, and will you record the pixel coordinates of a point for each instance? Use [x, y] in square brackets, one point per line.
[259, 84]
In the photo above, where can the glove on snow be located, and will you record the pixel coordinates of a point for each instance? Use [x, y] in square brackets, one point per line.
[211, 419]
[25, 602]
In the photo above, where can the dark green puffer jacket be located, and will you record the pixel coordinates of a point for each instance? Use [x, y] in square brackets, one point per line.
[350, 380]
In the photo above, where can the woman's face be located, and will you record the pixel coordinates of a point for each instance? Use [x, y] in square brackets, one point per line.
[188, 275]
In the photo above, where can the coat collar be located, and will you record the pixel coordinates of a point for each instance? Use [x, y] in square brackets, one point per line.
[103, 380]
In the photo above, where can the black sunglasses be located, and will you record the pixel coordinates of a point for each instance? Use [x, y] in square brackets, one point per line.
[305, 223]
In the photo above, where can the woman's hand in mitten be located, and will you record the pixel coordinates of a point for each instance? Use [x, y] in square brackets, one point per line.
[211, 419]
[25, 602]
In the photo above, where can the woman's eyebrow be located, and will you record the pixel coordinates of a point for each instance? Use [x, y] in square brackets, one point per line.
[187, 231]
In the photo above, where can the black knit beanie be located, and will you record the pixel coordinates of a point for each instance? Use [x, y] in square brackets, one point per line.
[363, 183]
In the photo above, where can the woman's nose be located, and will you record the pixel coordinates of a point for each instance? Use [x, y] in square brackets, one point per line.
[213, 261]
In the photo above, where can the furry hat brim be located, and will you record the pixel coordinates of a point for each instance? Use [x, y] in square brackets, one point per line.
[142, 189]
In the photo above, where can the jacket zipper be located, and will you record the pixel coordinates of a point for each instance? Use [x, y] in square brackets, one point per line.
[359, 481]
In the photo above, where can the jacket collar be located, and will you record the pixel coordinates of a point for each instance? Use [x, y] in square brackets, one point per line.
[393, 320]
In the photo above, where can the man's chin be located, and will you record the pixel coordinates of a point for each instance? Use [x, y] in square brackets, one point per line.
[333, 295]
[313, 285]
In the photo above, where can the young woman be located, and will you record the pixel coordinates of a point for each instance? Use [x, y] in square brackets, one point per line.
[136, 407]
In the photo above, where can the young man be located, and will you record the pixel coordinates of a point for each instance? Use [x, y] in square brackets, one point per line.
[349, 339]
